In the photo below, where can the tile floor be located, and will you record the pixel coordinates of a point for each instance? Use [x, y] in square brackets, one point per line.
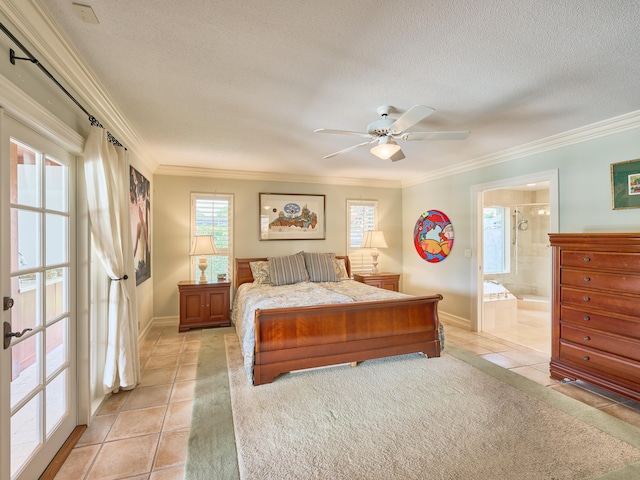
[531, 327]
[143, 434]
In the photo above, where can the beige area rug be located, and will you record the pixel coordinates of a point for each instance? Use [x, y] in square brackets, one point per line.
[412, 418]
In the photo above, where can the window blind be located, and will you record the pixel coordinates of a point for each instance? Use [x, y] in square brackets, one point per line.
[213, 215]
[362, 217]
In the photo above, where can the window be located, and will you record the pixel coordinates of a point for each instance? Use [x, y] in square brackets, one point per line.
[496, 240]
[362, 215]
[212, 214]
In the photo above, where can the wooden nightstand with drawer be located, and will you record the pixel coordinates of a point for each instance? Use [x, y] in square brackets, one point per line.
[204, 305]
[388, 281]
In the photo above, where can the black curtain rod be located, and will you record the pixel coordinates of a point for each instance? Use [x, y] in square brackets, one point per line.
[32, 59]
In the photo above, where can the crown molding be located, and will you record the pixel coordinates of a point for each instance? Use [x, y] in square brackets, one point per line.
[175, 170]
[35, 24]
[610, 126]
[23, 108]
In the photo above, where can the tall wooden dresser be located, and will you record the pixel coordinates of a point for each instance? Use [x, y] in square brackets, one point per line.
[596, 310]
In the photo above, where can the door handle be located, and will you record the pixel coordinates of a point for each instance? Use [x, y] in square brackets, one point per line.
[8, 334]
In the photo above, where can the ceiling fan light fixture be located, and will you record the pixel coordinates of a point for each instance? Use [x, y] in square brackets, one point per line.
[385, 149]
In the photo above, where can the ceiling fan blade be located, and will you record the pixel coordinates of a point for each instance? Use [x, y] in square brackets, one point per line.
[342, 132]
[434, 136]
[410, 118]
[348, 149]
[397, 156]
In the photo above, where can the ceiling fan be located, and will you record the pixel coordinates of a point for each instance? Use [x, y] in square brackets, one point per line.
[384, 132]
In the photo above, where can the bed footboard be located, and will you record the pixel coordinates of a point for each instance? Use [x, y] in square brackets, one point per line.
[290, 339]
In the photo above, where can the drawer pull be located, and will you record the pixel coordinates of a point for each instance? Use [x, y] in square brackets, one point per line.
[587, 279]
[586, 318]
[587, 259]
[586, 358]
[586, 337]
[586, 299]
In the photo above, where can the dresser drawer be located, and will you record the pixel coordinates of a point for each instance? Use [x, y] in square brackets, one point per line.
[624, 347]
[628, 262]
[594, 279]
[613, 323]
[589, 299]
[591, 359]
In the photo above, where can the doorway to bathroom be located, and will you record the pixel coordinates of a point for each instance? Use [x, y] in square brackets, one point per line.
[514, 293]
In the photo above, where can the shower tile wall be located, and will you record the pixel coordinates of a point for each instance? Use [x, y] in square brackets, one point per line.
[530, 254]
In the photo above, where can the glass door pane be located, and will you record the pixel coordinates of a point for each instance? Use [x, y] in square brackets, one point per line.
[41, 397]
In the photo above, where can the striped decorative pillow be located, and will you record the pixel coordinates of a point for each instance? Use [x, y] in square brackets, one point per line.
[287, 270]
[320, 266]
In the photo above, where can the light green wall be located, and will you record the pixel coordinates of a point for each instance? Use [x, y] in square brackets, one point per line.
[171, 214]
[584, 206]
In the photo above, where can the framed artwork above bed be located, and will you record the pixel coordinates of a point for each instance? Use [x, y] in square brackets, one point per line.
[292, 216]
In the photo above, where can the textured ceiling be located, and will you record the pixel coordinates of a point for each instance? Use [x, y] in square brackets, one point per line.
[243, 85]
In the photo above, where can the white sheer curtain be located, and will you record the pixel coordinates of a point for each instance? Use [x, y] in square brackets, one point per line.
[106, 170]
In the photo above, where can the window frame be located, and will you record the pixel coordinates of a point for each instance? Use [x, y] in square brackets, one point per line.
[227, 251]
[360, 258]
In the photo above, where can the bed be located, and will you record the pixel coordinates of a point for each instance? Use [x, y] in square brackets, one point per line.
[288, 336]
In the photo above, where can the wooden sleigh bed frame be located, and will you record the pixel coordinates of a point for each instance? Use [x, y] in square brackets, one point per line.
[289, 339]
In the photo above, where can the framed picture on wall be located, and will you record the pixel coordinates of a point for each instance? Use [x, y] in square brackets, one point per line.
[140, 211]
[625, 185]
[292, 216]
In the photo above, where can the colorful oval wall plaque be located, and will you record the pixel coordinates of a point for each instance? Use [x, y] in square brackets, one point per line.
[433, 236]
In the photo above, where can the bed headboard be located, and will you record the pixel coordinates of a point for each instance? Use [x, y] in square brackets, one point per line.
[242, 270]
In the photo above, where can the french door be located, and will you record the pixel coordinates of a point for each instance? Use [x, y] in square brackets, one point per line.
[38, 395]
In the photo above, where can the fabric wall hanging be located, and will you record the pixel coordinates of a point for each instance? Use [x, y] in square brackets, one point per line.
[433, 236]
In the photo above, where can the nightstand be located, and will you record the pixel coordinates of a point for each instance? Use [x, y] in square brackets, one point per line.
[204, 304]
[388, 281]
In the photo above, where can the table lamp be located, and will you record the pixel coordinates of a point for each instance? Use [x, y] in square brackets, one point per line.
[374, 239]
[203, 246]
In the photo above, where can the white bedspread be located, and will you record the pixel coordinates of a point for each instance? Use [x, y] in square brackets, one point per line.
[252, 296]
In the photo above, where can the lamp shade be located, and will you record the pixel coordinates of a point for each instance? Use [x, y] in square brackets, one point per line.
[374, 239]
[385, 149]
[203, 245]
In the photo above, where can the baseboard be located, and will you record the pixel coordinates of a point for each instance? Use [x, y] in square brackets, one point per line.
[448, 318]
[143, 333]
[165, 321]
